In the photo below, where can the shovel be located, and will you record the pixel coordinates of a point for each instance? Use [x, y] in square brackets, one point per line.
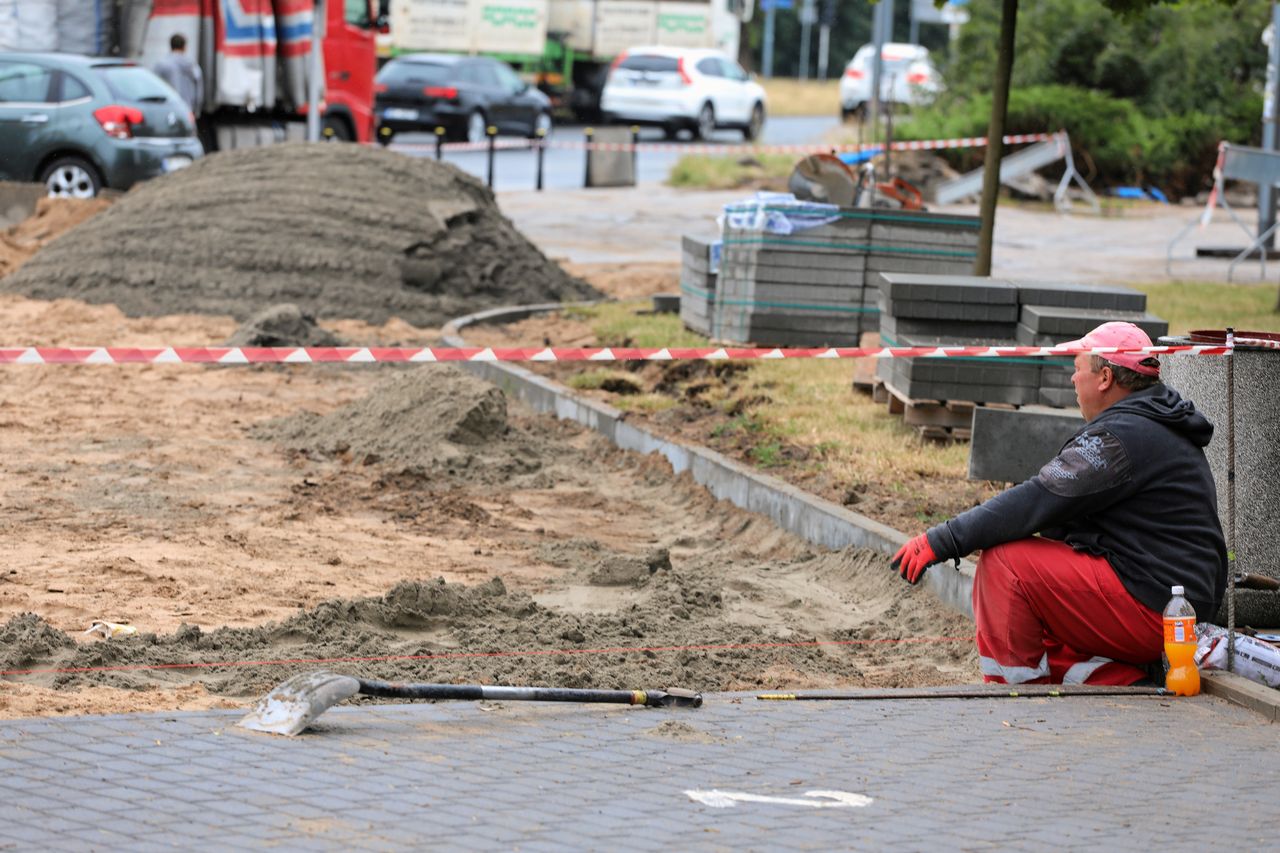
[294, 704]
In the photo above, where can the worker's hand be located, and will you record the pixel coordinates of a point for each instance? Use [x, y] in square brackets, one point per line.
[913, 558]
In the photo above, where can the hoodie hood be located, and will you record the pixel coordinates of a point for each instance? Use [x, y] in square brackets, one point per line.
[1165, 405]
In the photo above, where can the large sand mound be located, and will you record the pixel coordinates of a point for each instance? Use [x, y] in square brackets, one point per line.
[341, 231]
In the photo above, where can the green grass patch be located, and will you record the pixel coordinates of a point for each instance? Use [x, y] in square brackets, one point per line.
[728, 172]
[1189, 305]
[618, 324]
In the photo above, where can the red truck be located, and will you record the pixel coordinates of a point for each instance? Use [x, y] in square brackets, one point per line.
[255, 56]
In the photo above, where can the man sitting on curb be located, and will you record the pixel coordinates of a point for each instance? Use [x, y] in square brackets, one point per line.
[1125, 510]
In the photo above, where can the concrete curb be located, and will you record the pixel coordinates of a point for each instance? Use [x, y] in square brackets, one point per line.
[1240, 690]
[809, 517]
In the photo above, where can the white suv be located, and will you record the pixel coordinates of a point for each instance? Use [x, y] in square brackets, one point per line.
[907, 76]
[678, 88]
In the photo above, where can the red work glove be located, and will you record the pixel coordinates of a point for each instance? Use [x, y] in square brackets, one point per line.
[913, 558]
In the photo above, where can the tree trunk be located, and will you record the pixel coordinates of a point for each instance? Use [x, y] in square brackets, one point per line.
[995, 137]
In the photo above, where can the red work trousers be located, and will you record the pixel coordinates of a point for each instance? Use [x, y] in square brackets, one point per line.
[1048, 614]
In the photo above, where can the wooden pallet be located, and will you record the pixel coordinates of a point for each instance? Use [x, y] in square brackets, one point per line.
[935, 420]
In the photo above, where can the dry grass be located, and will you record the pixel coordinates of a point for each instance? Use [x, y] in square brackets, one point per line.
[791, 97]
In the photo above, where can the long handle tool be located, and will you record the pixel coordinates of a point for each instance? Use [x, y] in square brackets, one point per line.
[1025, 691]
[294, 704]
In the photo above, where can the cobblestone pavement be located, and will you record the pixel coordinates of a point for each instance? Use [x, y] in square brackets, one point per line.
[1069, 773]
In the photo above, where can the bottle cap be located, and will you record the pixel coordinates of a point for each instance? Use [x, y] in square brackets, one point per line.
[1178, 590]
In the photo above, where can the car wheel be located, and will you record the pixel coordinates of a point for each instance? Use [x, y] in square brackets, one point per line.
[71, 177]
[541, 126]
[671, 131]
[477, 127]
[752, 131]
[706, 125]
[335, 129]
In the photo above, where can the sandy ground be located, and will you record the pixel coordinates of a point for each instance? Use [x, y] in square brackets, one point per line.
[139, 495]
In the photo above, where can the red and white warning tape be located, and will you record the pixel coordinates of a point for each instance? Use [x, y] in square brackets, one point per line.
[365, 355]
[911, 145]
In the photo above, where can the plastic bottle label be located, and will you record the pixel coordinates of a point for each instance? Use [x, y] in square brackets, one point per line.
[1181, 629]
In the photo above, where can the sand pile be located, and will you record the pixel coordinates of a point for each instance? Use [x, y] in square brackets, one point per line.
[433, 419]
[342, 231]
[490, 634]
[52, 218]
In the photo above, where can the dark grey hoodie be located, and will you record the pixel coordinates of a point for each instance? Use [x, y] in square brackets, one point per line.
[1133, 485]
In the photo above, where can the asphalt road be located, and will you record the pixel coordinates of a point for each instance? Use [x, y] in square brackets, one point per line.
[565, 168]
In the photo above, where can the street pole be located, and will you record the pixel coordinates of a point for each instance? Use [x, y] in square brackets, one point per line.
[914, 37]
[808, 15]
[1270, 109]
[877, 65]
[824, 47]
[315, 73]
[766, 61]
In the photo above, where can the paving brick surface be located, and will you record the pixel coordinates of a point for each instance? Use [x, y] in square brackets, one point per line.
[967, 774]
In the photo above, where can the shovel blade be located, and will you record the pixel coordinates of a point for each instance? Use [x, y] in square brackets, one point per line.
[294, 704]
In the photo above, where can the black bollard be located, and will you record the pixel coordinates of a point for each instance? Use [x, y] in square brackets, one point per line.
[635, 143]
[439, 143]
[589, 132]
[541, 144]
[493, 138]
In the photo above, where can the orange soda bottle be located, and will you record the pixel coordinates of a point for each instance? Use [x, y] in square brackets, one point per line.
[1181, 676]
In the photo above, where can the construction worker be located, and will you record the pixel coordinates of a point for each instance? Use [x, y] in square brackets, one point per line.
[182, 74]
[1125, 510]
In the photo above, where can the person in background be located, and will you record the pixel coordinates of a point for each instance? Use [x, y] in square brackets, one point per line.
[181, 73]
[1126, 510]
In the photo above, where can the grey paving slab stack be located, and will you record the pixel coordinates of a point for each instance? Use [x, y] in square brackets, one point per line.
[1203, 380]
[698, 272]
[805, 288]
[910, 241]
[954, 310]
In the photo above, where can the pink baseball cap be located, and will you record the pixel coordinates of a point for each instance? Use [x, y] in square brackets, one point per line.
[1119, 334]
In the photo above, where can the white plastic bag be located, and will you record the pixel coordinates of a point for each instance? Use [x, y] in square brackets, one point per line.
[1254, 659]
[777, 213]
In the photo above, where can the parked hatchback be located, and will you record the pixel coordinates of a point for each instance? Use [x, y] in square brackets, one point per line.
[463, 94]
[675, 89]
[907, 76]
[78, 124]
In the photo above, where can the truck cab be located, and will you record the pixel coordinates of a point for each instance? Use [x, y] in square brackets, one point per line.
[350, 61]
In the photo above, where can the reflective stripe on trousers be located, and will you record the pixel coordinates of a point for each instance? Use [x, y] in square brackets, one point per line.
[1014, 674]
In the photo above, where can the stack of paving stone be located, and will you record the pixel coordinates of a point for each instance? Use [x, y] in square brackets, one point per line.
[1055, 313]
[905, 241]
[800, 289]
[933, 310]
[698, 268]
[819, 286]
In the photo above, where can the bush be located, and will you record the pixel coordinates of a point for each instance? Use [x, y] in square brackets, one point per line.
[1112, 141]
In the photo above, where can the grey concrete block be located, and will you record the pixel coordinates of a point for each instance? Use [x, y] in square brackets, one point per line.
[1107, 297]
[1058, 398]
[968, 312]
[1013, 445]
[944, 330]
[966, 371]
[926, 219]
[1066, 323]
[898, 234]
[795, 257]
[1203, 380]
[799, 295]
[1016, 395]
[849, 277]
[949, 288]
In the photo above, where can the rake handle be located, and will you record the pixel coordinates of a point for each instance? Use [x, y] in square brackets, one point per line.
[651, 698]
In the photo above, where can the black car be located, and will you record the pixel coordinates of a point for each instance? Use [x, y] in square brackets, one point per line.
[419, 92]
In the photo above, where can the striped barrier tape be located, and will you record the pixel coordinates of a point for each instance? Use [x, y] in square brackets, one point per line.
[367, 355]
[910, 145]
